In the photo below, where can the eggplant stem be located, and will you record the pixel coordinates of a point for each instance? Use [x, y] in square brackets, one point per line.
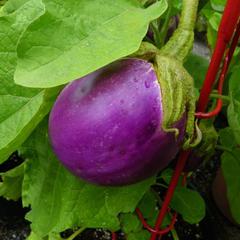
[180, 44]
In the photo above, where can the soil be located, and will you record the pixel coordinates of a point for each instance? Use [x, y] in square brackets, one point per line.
[12, 223]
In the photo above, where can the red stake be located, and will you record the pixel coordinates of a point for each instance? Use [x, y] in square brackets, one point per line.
[225, 67]
[152, 230]
[114, 236]
[174, 181]
[226, 29]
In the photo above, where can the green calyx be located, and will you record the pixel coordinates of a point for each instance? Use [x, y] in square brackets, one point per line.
[177, 90]
[177, 95]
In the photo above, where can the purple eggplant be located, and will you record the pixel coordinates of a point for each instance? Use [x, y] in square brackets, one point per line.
[107, 127]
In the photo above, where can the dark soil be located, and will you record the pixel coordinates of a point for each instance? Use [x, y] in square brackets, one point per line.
[12, 223]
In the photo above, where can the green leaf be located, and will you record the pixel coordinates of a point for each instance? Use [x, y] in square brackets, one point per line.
[18, 117]
[142, 235]
[215, 20]
[74, 38]
[11, 185]
[233, 111]
[166, 175]
[21, 109]
[231, 168]
[54, 236]
[12, 26]
[149, 208]
[60, 201]
[148, 205]
[33, 236]
[130, 223]
[132, 227]
[233, 115]
[218, 5]
[234, 86]
[189, 204]
[201, 64]
[227, 138]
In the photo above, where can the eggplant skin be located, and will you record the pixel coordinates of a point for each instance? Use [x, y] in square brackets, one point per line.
[106, 127]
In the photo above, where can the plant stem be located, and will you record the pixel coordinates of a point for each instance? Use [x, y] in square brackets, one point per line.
[180, 44]
[156, 35]
[165, 25]
[189, 14]
[223, 97]
[161, 185]
[222, 148]
[174, 234]
[76, 233]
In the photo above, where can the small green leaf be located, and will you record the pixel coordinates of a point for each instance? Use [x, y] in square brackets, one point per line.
[11, 185]
[60, 201]
[218, 5]
[231, 169]
[130, 223]
[132, 227]
[74, 38]
[148, 205]
[189, 204]
[215, 20]
[149, 208]
[166, 175]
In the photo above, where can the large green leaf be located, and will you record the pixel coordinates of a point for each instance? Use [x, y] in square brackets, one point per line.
[227, 138]
[230, 164]
[233, 112]
[11, 184]
[13, 23]
[21, 108]
[234, 86]
[74, 38]
[19, 116]
[60, 201]
[231, 169]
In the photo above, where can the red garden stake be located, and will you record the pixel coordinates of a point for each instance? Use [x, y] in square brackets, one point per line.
[226, 63]
[172, 186]
[229, 54]
[114, 236]
[226, 29]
